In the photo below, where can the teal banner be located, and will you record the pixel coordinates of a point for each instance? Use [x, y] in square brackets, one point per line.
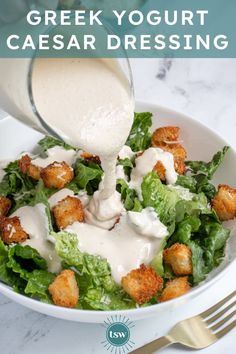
[106, 28]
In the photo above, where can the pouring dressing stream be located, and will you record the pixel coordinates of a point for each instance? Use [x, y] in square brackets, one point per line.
[89, 103]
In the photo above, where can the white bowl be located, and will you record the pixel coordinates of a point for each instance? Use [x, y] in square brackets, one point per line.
[201, 143]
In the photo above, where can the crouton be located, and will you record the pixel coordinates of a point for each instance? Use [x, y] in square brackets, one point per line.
[166, 138]
[175, 288]
[28, 168]
[224, 202]
[67, 211]
[165, 134]
[179, 257]
[142, 284]
[89, 157]
[11, 230]
[5, 205]
[64, 289]
[160, 170]
[177, 150]
[180, 166]
[57, 175]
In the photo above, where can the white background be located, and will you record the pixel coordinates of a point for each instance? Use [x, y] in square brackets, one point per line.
[205, 90]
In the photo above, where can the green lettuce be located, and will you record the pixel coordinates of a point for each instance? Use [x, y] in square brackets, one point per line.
[7, 276]
[38, 283]
[140, 136]
[157, 195]
[128, 196]
[198, 205]
[201, 175]
[22, 268]
[24, 260]
[87, 176]
[49, 142]
[15, 182]
[206, 237]
[157, 261]
[208, 168]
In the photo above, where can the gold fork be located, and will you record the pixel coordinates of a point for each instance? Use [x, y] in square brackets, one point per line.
[197, 332]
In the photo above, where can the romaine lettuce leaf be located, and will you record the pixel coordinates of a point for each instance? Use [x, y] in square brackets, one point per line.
[25, 270]
[208, 168]
[67, 248]
[198, 205]
[128, 196]
[15, 182]
[157, 195]
[206, 237]
[7, 276]
[38, 283]
[98, 299]
[24, 260]
[88, 175]
[201, 175]
[49, 142]
[157, 261]
[140, 137]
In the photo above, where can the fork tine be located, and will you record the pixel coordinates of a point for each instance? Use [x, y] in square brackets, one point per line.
[219, 314]
[223, 321]
[225, 330]
[216, 307]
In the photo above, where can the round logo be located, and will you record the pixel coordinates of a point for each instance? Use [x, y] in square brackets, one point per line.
[118, 334]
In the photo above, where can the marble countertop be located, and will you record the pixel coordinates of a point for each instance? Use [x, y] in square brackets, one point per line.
[205, 90]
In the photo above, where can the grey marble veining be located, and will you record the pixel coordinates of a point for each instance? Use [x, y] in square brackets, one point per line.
[203, 89]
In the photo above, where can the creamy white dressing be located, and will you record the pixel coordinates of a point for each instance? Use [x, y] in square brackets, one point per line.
[126, 153]
[57, 153]
[58, 196]
[147, 223]
[146, 162]
[123, 247]
[34, 221]
[84, 198]
[104, 212]
[120, 173]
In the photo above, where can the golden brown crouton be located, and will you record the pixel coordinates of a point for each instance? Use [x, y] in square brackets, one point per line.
[160, 170]
[166, 138]
[179, 257]
[57, 175]
[89, 157]
[11, 230]
[28, 168]
[177, 150]
[64, 289]
[224, 203]
[165, 134]
[142, 284]
[180, 166]
[5, 205]
[67, 211]
[175, 288]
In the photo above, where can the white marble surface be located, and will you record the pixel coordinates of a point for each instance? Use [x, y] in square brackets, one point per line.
[204, 89]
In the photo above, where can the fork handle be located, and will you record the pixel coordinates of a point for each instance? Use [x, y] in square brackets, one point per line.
[153, 346]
